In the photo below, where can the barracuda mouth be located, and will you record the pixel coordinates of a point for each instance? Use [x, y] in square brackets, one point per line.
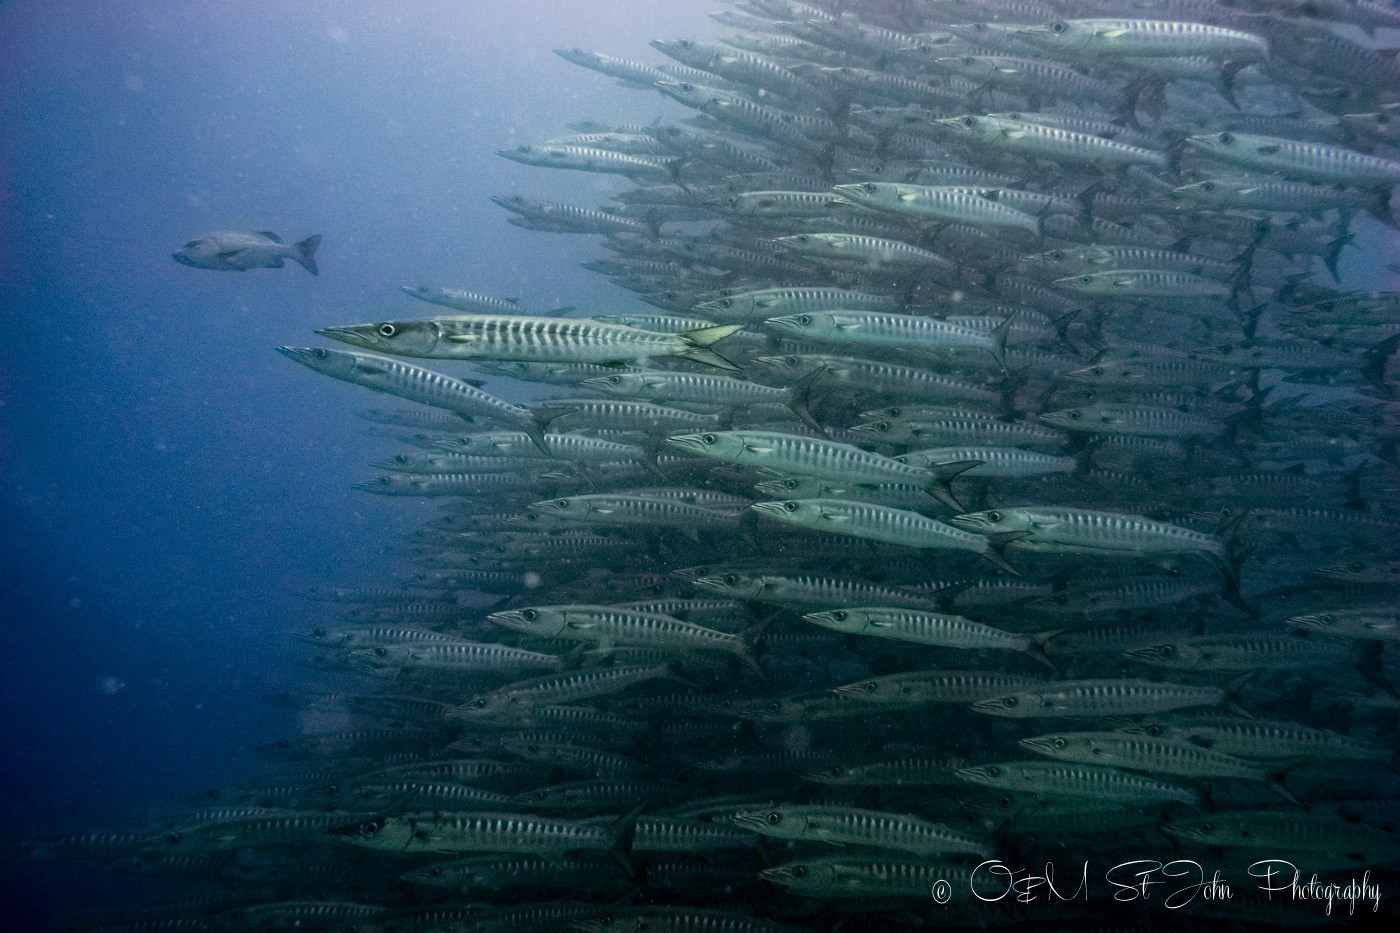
[774, 509]
[353, 335]
[687, 442]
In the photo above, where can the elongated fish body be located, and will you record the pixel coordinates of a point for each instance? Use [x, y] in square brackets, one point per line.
[527, 339]
[1049, 142]
[383, 374]
[1078, 780]
[1059, 529]
[1099, 697]
[1319, 162]
[763, 303]
[950, 204]
[868, 828]
[924, 628]
[477, 832]
[874, 522]
[1143, 753]
[1145, 38]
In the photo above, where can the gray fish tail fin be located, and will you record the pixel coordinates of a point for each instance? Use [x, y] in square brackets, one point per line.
[1036, 649]
[999, 335]
[1334, 254]
[945, 473]
[306, 253]
[996, 544]
[799, 400]
[699, 342]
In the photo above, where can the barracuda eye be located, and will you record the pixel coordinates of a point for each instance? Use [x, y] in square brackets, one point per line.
[730, 579]
[731, 200]
[1226, 139]
[562, 503]
[384, 481]
[969, 61]
[382, 652]
[834, 771]
[993, 771]
[332, 790]
[1167, 651]
[687, 87]
[802, 238]
[480, 704]
[1382, 118]
[1086, 280]
[775, 707]
[1153, 731]
[1325, 620]
[790, 484]
[790, 506]
[871, 687]
[434, 872]
[709, 440]
[1207, 186]
[969, 122]
[1356, 568]
[685, 43]
[174, 838]
[868, 188]
[529, 615]
[387, 330]
[1057, 255]
[615, 380]
[774, 819]
[1061, 599]
[1073, 415]
[1097, 370]
[1207, 827]
[319, 632]
[882, 426]
[805, 320]
[1010, 702]
[799, 872]
[793, 361]
[370, 827]
[839, 615]
[1058, 28]
[725, 303]
[994, 517]
[319, 353]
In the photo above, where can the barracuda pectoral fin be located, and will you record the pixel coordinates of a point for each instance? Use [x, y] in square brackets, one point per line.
[461, 338]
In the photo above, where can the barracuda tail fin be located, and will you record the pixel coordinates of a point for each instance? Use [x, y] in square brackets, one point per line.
[997, 542]
[623, 828]
[945, 473]
[306, 253]
[1334, 255]
[799, 400]
[999, 335]
[701, 340]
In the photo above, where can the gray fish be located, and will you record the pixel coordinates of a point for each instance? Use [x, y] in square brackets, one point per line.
[233, 251]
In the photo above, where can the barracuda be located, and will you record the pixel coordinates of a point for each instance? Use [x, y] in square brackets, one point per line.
[531, 339]
[879, 523]
[791, 453]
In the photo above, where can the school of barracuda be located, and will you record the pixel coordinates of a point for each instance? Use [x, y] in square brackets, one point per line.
[1002, 473]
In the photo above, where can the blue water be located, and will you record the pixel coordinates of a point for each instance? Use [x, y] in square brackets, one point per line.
[167, 479]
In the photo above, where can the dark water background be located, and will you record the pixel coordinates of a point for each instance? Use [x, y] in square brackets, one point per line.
[166, 479]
